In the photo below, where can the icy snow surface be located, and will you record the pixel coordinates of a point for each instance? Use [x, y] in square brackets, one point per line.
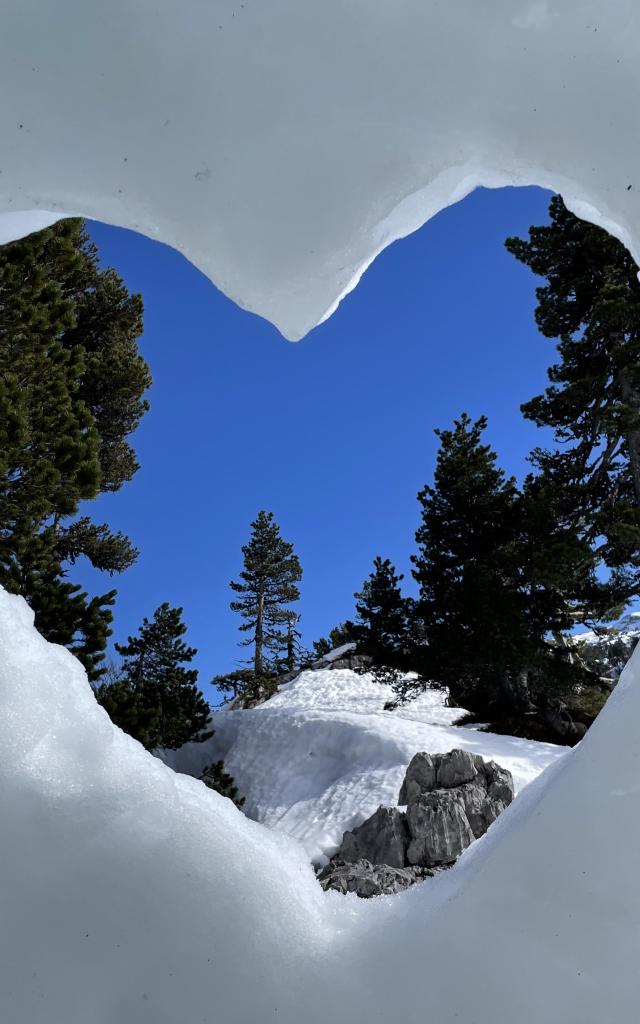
[322, 755]
[133, 895]
[280, 145]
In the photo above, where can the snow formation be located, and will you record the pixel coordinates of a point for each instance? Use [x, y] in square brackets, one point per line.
[322, 755]
[280, 146]
[133, 895]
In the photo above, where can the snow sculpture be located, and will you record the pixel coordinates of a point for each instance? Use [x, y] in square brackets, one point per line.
[281, 145]
[134, 895]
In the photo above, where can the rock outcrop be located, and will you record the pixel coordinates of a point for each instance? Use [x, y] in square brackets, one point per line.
[367, 879]
[450, 799]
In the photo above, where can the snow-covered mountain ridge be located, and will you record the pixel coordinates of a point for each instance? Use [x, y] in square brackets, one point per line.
[321, 755]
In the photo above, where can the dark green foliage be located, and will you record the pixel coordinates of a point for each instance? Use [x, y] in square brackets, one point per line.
[135, 710]
[341, 634]
[268, 584]
[71, 391]
[382, 628]
[485, 622]
[156, 699]
[245, 684]
[215, 777]
[591, 306]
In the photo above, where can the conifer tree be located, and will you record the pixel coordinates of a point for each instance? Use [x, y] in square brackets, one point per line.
[71, 391]
[341, 634]
[483, 622]
[156, 699]
[381, 629]
[215, 777]
[268, 585]
[590, 305]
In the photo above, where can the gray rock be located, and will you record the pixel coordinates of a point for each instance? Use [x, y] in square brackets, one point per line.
[438, 827]
[381, 839]
[420, 778]
[367, 879]
[455, 768]
[451, 799]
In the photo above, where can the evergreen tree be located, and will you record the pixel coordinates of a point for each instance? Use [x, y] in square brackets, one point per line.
[382, 629]
[71, 391]
[268, 584]
[156, 699]
[238, 683]
[341, 634]
[485, 624]
[215, 777]
[294, 652]
[591, 306]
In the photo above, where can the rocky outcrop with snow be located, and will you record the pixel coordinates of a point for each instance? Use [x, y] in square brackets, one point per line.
[318, 758]
[451, 799]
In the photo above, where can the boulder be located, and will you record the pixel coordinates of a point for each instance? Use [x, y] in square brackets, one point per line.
[381, 839]
[420, 778]
[366, 879]
[455, 768]
[438, 827]
[451, 799]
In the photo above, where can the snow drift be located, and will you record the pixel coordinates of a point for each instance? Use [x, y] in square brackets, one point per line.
[322, 755]
[134, 895]
[281, 145]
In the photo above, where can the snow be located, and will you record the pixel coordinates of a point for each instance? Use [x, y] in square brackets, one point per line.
[335, 654]
[322, 755]
[133, 895]
[281, 146]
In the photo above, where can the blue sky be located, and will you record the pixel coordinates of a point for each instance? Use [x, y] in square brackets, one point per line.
[334, 434]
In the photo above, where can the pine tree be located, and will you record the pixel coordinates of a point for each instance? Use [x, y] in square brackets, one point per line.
[484, 638]
[591, 306]
[156, 698]
[341, 634]
[215, 777]
[71, 391]
[381, 629]
[268, 584]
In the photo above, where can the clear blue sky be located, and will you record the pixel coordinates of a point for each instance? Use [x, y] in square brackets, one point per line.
[334, 434]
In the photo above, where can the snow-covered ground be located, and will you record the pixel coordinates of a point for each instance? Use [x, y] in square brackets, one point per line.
[322, 754]
[130, 894]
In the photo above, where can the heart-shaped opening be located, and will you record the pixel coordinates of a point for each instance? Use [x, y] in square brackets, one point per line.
[160, 895]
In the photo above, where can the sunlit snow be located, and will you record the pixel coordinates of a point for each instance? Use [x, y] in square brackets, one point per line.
[133, 895]
[281, 145]
[322, 755]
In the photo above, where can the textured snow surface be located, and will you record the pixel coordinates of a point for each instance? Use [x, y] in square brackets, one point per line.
[133, 895]
[322, 755]
[281, 145]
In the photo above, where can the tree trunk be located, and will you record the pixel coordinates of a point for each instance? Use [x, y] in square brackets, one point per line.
[515, 689]
[257, 661]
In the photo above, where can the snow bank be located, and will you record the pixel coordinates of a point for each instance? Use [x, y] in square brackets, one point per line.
[322, 755]
[132, 895]
[281, 145]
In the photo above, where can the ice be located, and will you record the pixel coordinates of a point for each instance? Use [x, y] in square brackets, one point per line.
[133, 895]
[322, 755]
[280, 146]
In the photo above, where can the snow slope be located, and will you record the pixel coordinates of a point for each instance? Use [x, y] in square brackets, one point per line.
[322, 755]
[133, 895]
[280, 146]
